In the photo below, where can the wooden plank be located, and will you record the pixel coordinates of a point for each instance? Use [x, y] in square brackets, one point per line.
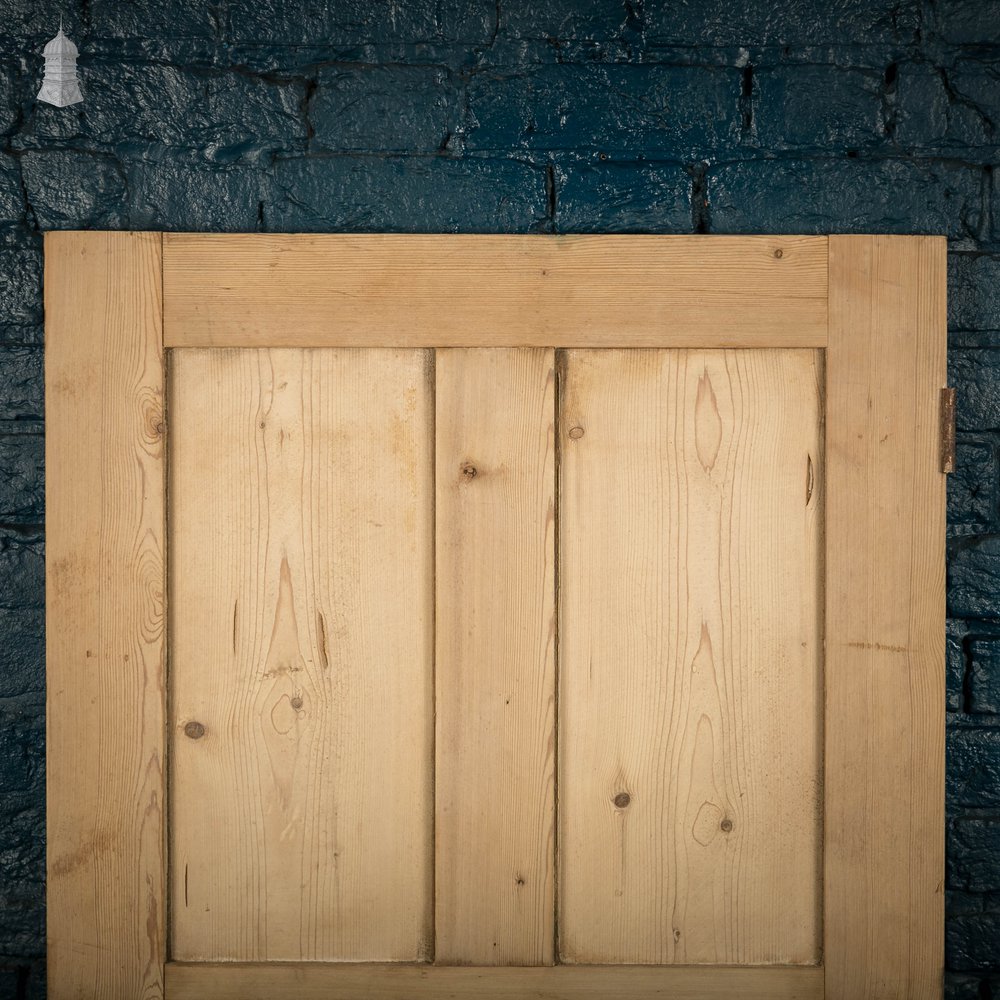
[495, 665]
[430, 982]
[301, 492]
[104, 593]
[885, 610]
[690, 645]
[494, 291]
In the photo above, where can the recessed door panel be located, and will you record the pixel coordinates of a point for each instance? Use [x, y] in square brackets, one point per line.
[690, 657]
[301, 629]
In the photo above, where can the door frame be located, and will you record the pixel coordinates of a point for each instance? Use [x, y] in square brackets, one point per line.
[114, 302]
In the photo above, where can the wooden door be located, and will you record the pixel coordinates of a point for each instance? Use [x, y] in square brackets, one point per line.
[495, 616]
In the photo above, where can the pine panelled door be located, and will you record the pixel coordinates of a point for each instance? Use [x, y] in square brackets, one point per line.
[474, 616]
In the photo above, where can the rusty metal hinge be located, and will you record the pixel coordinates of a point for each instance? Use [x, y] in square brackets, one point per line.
[947, 430]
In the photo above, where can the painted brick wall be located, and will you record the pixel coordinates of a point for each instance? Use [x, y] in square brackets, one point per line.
[720, 116]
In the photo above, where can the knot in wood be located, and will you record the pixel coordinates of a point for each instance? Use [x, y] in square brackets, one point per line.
[194, 730]
[622, 799]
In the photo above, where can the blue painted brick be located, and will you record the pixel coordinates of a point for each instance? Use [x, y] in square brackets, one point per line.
[995, 203]
[797, 22]
[22, 653]
[973, 292]
[278, 22]
[171, 193]
[845, 195]
[974, 854]
[153, 19]
[672, 112]
[984, 677]
[467, 21]
[211, 114]
[68, 189]
[961, 986]
[817, 107]
[973, 942]
[20, 285]
[958, 902]
[22, 860]
[22, 747]
[922, 109]
[565, 19]
[380, 108]
[953, 108]
[9, 97]
[975, 374]
[955, 632]
[10, 981]
[22, 570]
[21, 383]
[41, 18]
[974, 487]
[623, 198]
[405, 194]
[22, 482]
[11, 200]
[974, 578]
[965, 21]
[973, 774]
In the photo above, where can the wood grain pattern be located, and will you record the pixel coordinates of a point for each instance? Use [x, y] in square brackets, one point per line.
[495, 667]
[301, 534]
[430, 982]
[885, 609]
[690, 672]
[104, 466]
[494, 291]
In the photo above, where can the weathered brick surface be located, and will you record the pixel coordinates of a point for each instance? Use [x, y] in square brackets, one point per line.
[21, 383]
[976, 377]
[972, 488]
[846, 195]
[818, 107]
[956, 633]
[974, 577]
[391, 109]
[972, 943]
[761, 22]
[974, 854]
[20, 285]
[973, 768]
[984, 678]
[22, 569]
[974, 299]
[622, 197]
[22, 483]
[174, 194]
[662, 112]
[520, 116]
[405, 194]
[22, 653]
